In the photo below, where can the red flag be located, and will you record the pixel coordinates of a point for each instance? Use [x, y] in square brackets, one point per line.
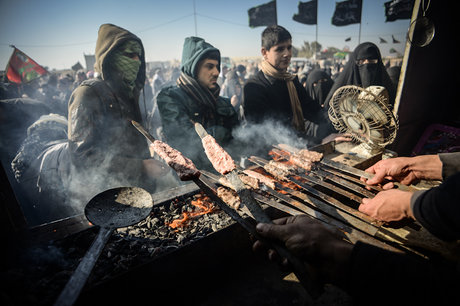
[23, 69]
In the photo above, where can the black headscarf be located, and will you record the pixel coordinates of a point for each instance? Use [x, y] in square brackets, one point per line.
[364, 75]
[319, 92]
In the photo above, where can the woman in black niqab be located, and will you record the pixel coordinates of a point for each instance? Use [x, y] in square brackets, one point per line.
[364, 73]
[318, 85]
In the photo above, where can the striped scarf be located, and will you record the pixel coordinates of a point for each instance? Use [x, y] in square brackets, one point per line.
[297, 114]
[203, 96]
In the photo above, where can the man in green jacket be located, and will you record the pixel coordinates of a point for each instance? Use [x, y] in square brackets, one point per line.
[195, 98]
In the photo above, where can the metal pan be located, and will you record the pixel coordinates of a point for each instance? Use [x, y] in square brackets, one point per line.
[111, 209]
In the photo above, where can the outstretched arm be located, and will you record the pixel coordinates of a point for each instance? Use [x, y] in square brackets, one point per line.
[406, 170]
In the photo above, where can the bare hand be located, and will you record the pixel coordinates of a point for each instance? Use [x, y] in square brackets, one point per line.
[388, 205]
[394, 169]
[337, 138]
[234, 100]
[405, 170]
[311, 241]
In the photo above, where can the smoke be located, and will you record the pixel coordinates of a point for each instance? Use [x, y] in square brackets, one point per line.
[258, 139]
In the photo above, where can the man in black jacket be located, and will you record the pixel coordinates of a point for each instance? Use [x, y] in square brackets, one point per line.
[273, 93]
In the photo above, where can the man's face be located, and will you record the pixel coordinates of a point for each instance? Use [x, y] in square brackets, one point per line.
[208, 72]
[279, 56]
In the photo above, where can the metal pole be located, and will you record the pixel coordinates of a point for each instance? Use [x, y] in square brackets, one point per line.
[316, 36]
[276, 14]
[316, 45]
[194, 16]
[359, 37]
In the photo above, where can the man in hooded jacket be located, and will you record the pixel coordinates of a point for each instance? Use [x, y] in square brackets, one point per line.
[195, 98]
[106, 150]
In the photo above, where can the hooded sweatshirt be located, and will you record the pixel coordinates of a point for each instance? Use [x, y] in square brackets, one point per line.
[194, 50]
[105, 149]
[178, 109]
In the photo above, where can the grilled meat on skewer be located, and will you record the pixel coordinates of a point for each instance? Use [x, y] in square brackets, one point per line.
[301, 162]
[261, 178]
[247, 180]
[183, 166]
[229, 196]
[220, 159]
[279, 170]
[311, 156]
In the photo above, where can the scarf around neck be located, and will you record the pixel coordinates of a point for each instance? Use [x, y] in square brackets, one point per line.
[298, 120]
[203, 96]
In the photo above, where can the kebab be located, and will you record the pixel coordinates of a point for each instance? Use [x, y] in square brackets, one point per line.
[261, 178]
[183, 166]
[224, 164]
[229, 196]
[186, 170]
[257, 212]
[249, 181]
[279, 170]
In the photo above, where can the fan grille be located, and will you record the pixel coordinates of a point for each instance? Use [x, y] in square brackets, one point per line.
[364, 115]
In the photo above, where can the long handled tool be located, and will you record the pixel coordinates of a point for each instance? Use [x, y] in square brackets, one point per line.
[256, 210]
[111, 209]
[204, 184]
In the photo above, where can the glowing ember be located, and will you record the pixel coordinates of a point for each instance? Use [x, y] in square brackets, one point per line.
[203, 206]
[279, 155]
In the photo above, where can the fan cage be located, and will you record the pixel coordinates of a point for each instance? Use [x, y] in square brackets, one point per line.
[363, 115]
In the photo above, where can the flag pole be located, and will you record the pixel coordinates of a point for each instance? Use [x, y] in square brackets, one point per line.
[194, 16]
[359, 36]
[316, 35]
[360, 22]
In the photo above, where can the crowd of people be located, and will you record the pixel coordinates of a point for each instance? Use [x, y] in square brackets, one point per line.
[83, 143]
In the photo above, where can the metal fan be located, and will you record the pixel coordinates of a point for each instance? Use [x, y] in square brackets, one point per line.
[364, 114]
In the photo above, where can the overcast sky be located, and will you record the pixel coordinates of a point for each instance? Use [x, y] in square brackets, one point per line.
[57, 33]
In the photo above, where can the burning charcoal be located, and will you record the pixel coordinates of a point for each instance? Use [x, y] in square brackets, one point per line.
[180, 238]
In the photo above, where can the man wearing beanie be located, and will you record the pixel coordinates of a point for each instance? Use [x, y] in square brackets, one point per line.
[195, 98]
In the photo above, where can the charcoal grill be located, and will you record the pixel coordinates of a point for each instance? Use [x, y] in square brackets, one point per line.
[195, 270]
[215, 265]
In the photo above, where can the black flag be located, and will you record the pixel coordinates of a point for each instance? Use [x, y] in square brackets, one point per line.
[77, 66]
[382, 41]
[394, 40]
[263, 15]
[398, 9]
[307, 12]
[347, 12]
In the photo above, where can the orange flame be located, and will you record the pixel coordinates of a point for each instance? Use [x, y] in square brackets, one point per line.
[203, 206]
